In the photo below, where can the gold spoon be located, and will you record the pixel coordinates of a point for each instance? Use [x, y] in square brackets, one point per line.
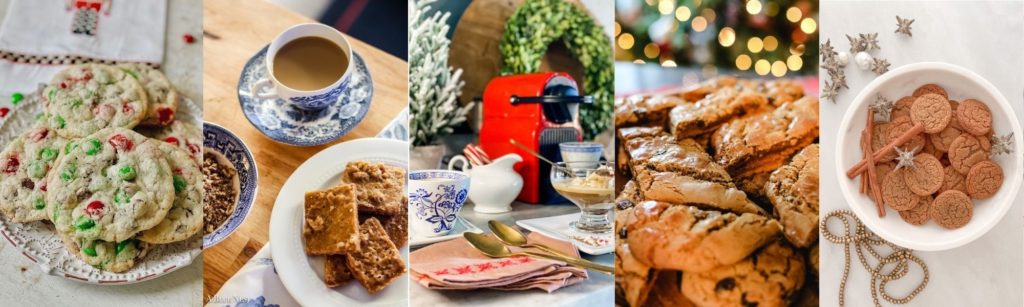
[539, 156]
[495, 249]
[511, 236]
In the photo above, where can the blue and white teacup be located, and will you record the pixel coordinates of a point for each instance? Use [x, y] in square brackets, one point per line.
[435, 197]
[584, 154]
[270, 87]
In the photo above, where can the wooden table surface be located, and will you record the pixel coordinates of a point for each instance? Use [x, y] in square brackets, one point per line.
[237, 29]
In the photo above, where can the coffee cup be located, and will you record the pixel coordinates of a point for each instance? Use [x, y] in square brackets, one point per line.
[308, 65]
[584, 154]
[435, 198]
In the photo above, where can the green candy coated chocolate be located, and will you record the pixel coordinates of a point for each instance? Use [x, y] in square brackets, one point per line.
[121, 245]
[76, 103]
[83, 223]
[69, 171]
[120, 197]
[40, 203]
[48, 154]
[16, 98]
[58, 122]
[37, 169]
[90, 251]
[131, 73]
[53, 91]
[127, 173]
[69, 147]
[94, 147]
[179, 184]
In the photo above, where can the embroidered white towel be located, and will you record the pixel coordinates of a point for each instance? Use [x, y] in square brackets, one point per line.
[40, 37]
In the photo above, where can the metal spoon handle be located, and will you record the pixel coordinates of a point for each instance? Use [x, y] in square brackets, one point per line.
[574, 261]
[548, 249]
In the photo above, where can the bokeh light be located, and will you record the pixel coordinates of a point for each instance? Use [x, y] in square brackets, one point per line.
[770, 43]
[793, 14]
[808, 25]
[727, 37]
[778, 69]
[699, 24]
[762, 67]
[683, 13]
[754, 7]
[626, 41]
[755, 45]
[794, 62]
[743, 62]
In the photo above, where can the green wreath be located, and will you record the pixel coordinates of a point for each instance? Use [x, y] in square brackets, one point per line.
[535, 25]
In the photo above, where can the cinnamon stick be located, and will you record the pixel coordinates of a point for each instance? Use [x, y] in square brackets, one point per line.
[861, 166]
[871, 178]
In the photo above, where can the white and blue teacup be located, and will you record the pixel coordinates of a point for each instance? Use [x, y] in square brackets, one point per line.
[435, 197]
[585, 154]
[271, 88]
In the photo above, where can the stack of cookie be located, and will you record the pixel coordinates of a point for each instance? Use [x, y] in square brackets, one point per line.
[359, 225]
[722, 203]
[109, 191]
[933, 173]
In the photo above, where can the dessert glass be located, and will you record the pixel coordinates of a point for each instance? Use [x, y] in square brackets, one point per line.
[591, 187]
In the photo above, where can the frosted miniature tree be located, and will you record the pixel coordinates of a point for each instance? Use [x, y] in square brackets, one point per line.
[434, 87]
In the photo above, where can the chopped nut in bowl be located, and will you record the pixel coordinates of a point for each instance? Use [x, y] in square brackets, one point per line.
[230, 178]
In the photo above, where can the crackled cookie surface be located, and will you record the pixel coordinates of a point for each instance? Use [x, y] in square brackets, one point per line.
[83, 99]
[24, 165]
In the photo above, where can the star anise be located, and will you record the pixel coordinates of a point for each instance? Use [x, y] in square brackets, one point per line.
[879, 66]
[882, 108]
[1002, 144]
[903, 25]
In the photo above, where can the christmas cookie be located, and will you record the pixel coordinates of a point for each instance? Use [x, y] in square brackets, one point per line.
[925, 177]
[984, 179]
[184, 135]
[185, 218]
[895, 192]
[24, 165]
[930, 88]
[967, 150]
[86, 98]
[163, 99]
[952, 209]
[944, 138]
[883, 169]
[769, 277]
[919, 214]
[952, 180]
[108, 256]
[932, 111]
[902, 107]
[112, 185]
[974, 117]
[898, 127]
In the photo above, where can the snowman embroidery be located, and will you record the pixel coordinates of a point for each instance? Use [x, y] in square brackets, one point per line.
[87, 15]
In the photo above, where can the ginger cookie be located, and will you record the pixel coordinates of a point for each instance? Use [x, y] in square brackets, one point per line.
[953, 104]
[944, 138]
[902, 107]
[879, 139]
[984, 179]
[895, 192]
[932, 111]
[952, 209]
[898, 127]
[952, 180]
[925, 177]
[930, 88]
[974, 116]
[883, 169]
[929, 148]
[967, 150]
[919, 214]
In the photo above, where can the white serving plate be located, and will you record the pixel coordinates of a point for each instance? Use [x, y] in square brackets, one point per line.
[40, 243]
[302, 275]
[559, 227]
[960, 83]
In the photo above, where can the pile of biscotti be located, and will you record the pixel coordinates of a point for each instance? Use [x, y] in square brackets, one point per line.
[720, 202]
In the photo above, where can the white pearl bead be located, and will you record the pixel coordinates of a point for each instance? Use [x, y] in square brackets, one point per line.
[843, 59]
[863, 60]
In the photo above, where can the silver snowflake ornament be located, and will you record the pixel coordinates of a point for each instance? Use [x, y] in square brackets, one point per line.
[1002, 145]
[880, 66]
[882, 108]
[827, 51]
[829, 92]
[856, 44]
[903, 25]
[870, 41]
[904, 159]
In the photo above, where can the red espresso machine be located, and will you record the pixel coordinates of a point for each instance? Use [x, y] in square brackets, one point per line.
[539, 111]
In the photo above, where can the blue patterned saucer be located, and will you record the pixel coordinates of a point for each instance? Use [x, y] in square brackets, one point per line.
[219, 139]
[282, 122]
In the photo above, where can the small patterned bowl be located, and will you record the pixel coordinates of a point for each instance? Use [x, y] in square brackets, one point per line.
[232, 148]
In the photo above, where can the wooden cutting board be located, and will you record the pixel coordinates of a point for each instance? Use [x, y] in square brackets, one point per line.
[236, 30]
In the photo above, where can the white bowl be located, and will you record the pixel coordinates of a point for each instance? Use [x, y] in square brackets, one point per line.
[960, 84]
